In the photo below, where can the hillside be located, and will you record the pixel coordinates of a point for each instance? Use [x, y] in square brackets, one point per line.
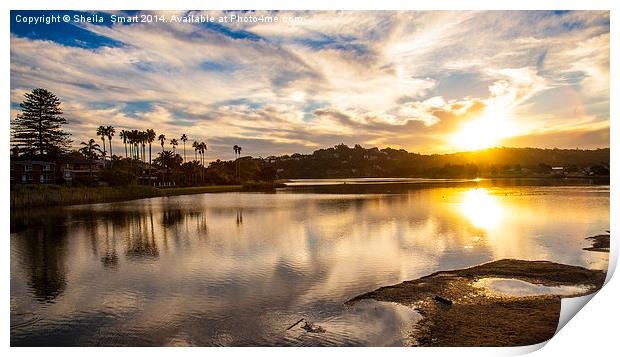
[344, 161]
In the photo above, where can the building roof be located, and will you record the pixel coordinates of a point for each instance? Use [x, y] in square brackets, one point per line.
[31, 162]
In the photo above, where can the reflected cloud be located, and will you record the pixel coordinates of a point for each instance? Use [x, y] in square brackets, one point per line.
[244, 265]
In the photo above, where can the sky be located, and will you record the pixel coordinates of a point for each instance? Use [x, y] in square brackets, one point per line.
[427, 82]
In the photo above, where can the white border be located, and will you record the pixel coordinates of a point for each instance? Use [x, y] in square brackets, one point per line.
[590, 332]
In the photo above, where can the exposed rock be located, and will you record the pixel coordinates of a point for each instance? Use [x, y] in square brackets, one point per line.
[600, 243]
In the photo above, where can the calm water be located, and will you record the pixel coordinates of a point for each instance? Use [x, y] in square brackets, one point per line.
[240, 268]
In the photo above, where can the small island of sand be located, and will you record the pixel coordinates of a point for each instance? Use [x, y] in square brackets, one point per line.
[492, 304]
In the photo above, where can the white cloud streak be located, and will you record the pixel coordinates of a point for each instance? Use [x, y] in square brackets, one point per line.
[353, 77]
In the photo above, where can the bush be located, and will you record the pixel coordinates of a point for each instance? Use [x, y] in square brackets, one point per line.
[115, 177]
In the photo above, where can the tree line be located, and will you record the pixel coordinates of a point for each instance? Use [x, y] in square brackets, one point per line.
[343, 161]
[37, 134]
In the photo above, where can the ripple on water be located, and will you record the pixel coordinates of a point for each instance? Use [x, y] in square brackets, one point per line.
[367, 322]
[23, 320]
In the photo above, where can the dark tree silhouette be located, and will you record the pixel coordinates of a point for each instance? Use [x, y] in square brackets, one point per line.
[102, 131]
[124, 134]
[91, 151]
[184, 139]
[195, 146]
[110, 133]
[37, 129]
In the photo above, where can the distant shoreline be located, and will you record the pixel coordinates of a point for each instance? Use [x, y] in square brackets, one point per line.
[600, 180]
[31, 196]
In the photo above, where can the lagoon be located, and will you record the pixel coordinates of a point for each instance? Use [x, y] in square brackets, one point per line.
[238, 268]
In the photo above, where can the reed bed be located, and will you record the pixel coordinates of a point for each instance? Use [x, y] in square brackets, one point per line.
[54, 195]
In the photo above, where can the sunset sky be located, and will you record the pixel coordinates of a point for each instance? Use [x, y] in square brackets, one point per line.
[428, 82]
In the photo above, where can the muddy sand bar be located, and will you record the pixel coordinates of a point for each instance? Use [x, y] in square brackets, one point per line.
[458, 312]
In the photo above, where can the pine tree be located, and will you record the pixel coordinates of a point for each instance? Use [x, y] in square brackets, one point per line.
[37, 129]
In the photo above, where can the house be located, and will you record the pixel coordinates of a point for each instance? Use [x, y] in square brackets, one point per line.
[75, 169]
[32, 172]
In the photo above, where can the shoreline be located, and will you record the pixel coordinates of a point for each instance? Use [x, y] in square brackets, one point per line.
[31, 196]
[55, 196]
[457, 311]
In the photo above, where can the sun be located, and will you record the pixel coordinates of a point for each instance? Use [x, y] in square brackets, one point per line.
[484, 132]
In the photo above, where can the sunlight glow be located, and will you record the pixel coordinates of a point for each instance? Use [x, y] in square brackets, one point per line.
[481, 208]
[484, 132]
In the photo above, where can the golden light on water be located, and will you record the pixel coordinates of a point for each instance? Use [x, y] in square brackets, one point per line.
[481, 208]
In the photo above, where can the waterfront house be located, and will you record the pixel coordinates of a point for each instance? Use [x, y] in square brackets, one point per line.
[32, 172]
[76, 169]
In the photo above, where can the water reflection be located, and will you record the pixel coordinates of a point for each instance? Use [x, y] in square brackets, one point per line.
[239, 217]
[516, 287]
[237, 268]
[109, 257]
[481, 208]
[44, 261]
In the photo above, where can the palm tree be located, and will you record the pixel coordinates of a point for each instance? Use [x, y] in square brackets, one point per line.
[237, 149]
[135, 135]
[202, 147]
[90, 149]
[123, 135]
[239, 164]
[165, 158]
[136, 143]
[131, 137]
[102, 131]
[143, 140]
[174, 143]
[150, 137]
[184, 139]
[169, 162]
[110, 133]
[162, 140]
[195, 146]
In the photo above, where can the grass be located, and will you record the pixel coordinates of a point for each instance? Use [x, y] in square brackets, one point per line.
[54, 195]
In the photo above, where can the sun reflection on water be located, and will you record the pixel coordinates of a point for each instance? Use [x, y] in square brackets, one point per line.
[481, 208]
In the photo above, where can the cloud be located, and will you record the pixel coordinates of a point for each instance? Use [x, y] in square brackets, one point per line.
[406, 79]
[588, 137]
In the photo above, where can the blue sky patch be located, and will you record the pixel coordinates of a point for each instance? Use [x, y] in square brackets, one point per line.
[65, 33]
[455, 85]
[135, 107]
[210, 66]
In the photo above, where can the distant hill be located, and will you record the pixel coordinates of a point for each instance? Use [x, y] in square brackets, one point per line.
[344, 161]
